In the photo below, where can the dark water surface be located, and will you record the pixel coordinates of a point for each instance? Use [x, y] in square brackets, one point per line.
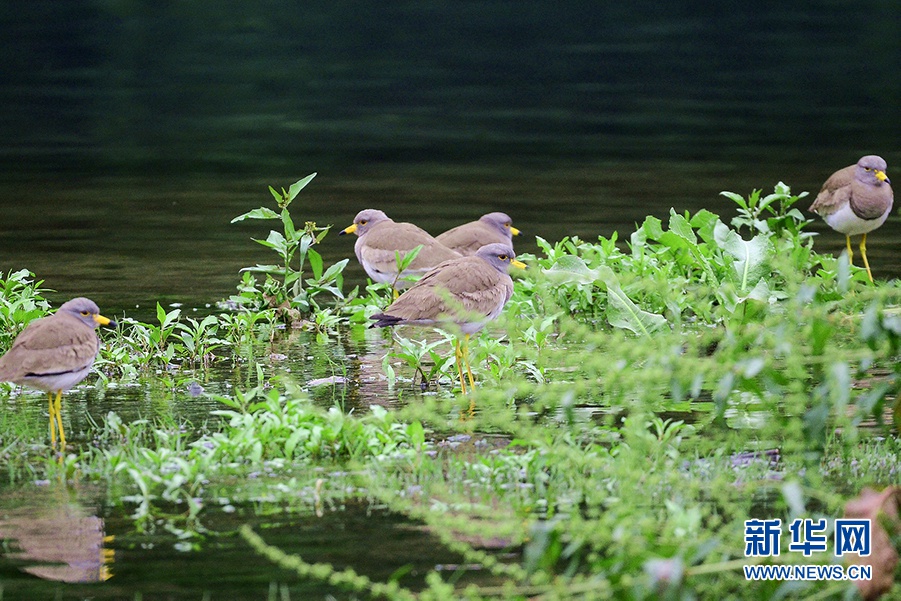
[132, 133]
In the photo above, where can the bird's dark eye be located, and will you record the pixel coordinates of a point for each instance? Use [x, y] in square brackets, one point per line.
[362, 222]
[866, 168]
[503, 257]
[85, 313]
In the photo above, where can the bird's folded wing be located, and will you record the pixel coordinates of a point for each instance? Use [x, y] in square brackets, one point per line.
[829, 200]
[468, 238]
[53, 346]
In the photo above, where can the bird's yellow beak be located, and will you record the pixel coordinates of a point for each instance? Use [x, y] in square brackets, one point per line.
[881, 176]
[350, 229]
[105, 321]
[518, 264]
[514, 231]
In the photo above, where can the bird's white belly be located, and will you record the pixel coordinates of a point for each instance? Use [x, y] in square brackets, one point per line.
[473, 326]
[378, 277]
[384, 277]
[846, 222]
[54, 383]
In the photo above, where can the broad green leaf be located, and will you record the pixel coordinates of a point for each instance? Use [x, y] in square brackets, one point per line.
[277, 241]
[680, 226]
[623, 313]
[306, 241]
[544, 245]
[273, 269]
[297, 186]
[760, 292]
[293, 440]
[737, 198]
[407, 259]
[750, 255]
[417, 434]
[652, 227]
[637, 240]
[315, 263]
[704, 222]
[290, 232]
[334, 270]
[674, 240]
[260, 213]
[569, 268]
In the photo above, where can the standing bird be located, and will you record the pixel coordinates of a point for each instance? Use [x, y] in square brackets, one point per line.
[380, 239]
[55, 353]
[468, 292]
[466, 239]
[856, 200]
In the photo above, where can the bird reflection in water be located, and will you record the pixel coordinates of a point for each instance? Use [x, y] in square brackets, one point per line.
[55, 539]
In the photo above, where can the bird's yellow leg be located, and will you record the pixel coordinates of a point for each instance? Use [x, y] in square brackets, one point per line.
[52, 419]
[59, 419]
[394, 293]
[850, 252]
[863, 253]
[458, 354]
[465, 352]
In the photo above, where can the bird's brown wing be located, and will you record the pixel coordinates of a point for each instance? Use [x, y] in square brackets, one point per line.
[378, 246]
[56, 344]
[835, 192]
[469, 237]
[460, 288]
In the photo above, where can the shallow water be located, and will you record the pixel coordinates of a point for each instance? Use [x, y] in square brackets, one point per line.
[77, 546]
[131, 135]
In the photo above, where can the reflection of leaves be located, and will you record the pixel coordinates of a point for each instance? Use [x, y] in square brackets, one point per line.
[881, 508]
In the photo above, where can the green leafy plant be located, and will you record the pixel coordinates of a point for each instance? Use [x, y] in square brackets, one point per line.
[292, 294]
[424, 356]
[21, 301]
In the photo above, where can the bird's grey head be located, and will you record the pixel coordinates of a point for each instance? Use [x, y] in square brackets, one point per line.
[871, 170]
[364, 220]
[499, 255]
[86, 311]
[501, 222]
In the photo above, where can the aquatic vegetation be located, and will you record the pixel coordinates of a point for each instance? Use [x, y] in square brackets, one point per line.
[293, 295]
[637, 403]
[21, 301]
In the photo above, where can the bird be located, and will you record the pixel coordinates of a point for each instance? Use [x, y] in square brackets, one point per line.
[856, 200]
[380, 240]
[55, 353]
[467, 293]
[466, 239]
